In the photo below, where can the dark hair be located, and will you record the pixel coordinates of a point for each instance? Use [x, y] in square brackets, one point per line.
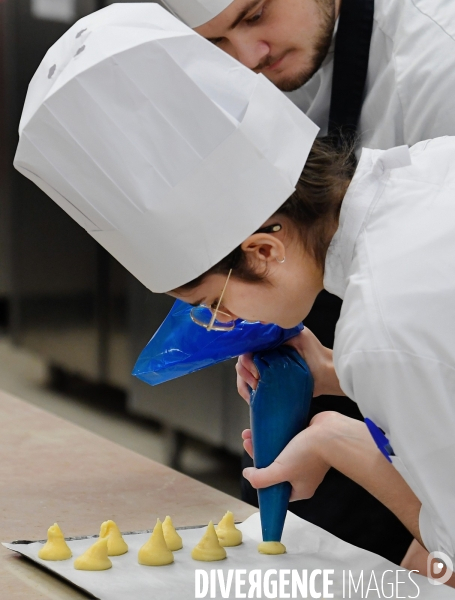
[313, 208]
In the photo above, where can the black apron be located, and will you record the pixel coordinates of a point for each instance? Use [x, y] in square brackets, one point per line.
[339, 505]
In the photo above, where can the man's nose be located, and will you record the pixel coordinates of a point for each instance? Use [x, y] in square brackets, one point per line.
[249, 52]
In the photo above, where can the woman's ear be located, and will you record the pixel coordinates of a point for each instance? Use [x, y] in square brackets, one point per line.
[264, 247]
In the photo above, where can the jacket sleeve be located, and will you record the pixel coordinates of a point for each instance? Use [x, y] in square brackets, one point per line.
[412, 398]
[427, 38]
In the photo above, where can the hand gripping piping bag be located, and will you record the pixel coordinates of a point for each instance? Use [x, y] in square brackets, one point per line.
[180, 346]
[279, 410]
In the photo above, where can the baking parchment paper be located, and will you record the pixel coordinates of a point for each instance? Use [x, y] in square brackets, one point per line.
[308, 547]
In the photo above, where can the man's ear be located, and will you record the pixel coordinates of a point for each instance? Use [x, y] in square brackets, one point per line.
[263, 248]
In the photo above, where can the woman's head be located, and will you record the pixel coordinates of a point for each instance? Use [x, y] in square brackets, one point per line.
[146, 187]
[278, 271]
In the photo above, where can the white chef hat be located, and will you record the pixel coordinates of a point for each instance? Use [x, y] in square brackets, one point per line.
[196, 12]
[165, 149]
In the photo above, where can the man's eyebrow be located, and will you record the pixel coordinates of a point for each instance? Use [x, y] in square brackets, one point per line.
[243, 13]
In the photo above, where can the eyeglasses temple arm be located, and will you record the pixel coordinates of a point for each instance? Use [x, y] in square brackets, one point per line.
[213, 319]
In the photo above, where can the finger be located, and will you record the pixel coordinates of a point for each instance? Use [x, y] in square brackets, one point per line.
[302, 341]
[246, 360]
[261, 478]
[246, 434]
[243, 389]
[246, 375]
[295, 496]
[294, 342]
[248, 445]
[290, 343]
[301, 493]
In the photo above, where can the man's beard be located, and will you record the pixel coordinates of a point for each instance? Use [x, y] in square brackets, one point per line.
[321, 48]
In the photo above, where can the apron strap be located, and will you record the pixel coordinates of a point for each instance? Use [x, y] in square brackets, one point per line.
[350, 66]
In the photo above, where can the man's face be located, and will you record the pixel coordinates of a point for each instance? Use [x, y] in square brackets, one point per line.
[286, 40]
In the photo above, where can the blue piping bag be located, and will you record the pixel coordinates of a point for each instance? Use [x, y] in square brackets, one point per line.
[279, 409]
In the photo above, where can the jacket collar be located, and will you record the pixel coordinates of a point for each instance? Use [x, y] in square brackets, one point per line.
[364, 191]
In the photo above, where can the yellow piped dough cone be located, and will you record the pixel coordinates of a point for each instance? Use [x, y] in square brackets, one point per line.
[55, 548]
[173, 540]
[95, 558]
[227, 532]
[271, 548]
[116, 545]
[209, 548]
[155, 553]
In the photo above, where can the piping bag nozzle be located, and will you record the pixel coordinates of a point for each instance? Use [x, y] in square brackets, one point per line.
[279, 409]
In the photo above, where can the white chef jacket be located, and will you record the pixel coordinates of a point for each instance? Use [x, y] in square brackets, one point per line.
[392, 261]
[410, 86]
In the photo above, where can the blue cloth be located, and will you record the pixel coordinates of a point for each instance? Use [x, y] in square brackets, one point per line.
[180, 346]
[380, 439]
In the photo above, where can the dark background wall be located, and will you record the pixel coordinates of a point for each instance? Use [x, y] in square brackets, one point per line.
[62, 295]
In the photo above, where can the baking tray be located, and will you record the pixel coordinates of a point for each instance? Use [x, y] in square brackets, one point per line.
[308, 548]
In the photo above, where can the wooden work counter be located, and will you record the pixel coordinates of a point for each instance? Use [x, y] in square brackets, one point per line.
[52, 470]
